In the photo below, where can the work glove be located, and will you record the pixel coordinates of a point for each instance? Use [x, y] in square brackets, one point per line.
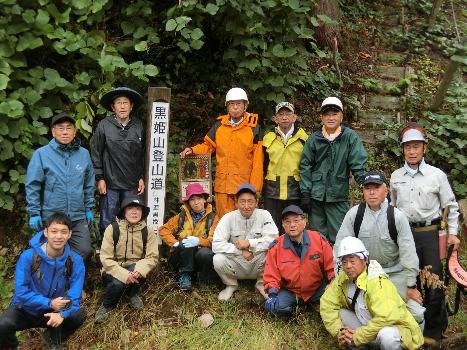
[176, 244]
[190, 242]
[305, 202]
[35, 222]
[89, 217]
[271, 302]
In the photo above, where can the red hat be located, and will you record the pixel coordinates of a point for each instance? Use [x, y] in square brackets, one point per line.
[194, 188]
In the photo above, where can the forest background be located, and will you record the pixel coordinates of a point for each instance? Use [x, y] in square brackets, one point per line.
[63, 55]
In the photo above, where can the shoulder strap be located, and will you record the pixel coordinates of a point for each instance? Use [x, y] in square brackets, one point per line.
[116, 236]
[68, 270]
[181, 221]
[392, 224]
[209, 221]
[144, 236]
[35, 264]
[359, 218]
[354, 299]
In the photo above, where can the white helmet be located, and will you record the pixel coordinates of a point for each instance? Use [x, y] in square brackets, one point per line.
[352, 246]
[236, 94]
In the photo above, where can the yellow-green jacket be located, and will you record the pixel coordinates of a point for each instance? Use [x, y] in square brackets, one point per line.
[282, 164]
[384, 304]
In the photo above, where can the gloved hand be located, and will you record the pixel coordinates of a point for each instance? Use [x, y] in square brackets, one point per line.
[190, 242]
[271, 302]
[89, 217]
[305, 202]
[35, 222]
[176, 244]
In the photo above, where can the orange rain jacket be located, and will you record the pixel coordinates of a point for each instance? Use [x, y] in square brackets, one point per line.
[239, 154]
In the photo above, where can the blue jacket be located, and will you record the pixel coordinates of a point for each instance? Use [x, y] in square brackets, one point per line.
[60, 179]
[34, 295]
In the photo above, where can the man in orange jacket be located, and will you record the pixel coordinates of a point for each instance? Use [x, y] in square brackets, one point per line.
[299, 265]
[237, 139]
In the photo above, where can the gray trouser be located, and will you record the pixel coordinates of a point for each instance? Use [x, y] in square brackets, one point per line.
[231, 268]
[388, 338]
[80, 240]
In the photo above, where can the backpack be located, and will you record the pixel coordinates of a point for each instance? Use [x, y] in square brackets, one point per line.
[116, 237]
[181, 220]
[36, 263]
[390, 216]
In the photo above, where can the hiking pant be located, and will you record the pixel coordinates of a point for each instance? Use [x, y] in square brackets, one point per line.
[109, 207]
[115, 289]
[232, 268]
[275, 208]
[326, 218]
[388, 338]
[196, 259]
[80, 240]
[288, 301]
[225, 203]
[15, 319]
[436, 317]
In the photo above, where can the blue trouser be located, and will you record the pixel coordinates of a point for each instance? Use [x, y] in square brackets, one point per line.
[288, 300]
[110, 205]
[114, 289]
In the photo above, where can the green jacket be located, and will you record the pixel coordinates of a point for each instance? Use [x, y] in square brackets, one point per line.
[282, 164]
[326, 165]
[384, 304]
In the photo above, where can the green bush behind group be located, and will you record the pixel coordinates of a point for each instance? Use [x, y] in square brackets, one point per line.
[62, 55]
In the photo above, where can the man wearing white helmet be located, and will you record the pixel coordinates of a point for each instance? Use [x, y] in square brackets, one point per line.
[362, 305]
[421, 192]
[329, 155]
[236, 138]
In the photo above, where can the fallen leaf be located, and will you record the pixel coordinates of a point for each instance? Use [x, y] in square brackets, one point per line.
[206, 320]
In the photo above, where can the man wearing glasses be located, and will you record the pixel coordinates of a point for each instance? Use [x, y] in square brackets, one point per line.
[60, 178]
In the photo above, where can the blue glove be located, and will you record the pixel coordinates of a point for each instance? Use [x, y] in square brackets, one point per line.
[190, 242]
[89, 217]
[35, 222]
[271, 302]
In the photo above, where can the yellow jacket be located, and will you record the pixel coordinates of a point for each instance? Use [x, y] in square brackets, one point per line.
[384, 304]
[239, 153]
[168, 231]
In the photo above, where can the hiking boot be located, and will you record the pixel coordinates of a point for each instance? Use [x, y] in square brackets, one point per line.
[51, 343]
[102, 314]
[227, 293]
[184, 281]
[136, 302]
[203, 283]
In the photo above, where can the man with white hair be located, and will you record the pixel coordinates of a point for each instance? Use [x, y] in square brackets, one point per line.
[362, 305]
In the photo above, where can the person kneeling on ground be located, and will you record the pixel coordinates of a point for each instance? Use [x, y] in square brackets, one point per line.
[240, 242]
[362, 305]
[128, 254]
[49, 281]
[299, 265]
[189, 234]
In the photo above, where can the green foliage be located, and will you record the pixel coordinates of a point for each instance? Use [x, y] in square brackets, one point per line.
[6, 285]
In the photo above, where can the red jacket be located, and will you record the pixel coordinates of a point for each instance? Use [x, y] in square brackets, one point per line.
[285, 269]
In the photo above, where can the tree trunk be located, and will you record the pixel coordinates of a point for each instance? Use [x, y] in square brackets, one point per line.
[327, 34]
[434, 12]
[438, 99]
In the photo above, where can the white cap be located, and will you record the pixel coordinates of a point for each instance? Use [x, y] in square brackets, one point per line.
[352, 246]
[331, 102]
[413, 135]
[236, 94]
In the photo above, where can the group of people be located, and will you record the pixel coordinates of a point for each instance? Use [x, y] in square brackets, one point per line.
[325, 261]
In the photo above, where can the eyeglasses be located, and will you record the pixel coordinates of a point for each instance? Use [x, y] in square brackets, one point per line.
[292, 221]
[285, 114]
[62, 128]
[247, 201]
[236, 104]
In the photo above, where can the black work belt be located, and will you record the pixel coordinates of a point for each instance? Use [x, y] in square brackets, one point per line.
[425, 223]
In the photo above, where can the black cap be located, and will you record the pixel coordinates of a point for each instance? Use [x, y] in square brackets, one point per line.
[245, 187]
[374, 177]
[291, 209]
[62, 117]
[108, 98]
[132, 201]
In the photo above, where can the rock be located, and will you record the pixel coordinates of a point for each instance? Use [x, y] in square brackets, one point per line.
[376, 118]
[389, 103]
[206, 320]
[391, 72]
[3, 251]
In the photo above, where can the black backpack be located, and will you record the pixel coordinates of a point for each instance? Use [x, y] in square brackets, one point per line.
[116, 237]
[36, 263]
[391, 221]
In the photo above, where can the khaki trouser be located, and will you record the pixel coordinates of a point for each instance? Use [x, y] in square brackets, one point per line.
[232, 268]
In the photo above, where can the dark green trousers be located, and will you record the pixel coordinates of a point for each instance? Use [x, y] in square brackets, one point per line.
[326, 218]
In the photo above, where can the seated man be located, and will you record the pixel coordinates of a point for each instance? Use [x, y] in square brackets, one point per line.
[299, 265]
[128, 254]
[362, 305]
[189, 234]
[241, 240]
[48, 285]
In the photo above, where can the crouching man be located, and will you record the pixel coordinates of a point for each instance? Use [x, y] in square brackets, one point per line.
[362, 305]
[48, 284]
[128, 254]
[298, 267]
[240, 242]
